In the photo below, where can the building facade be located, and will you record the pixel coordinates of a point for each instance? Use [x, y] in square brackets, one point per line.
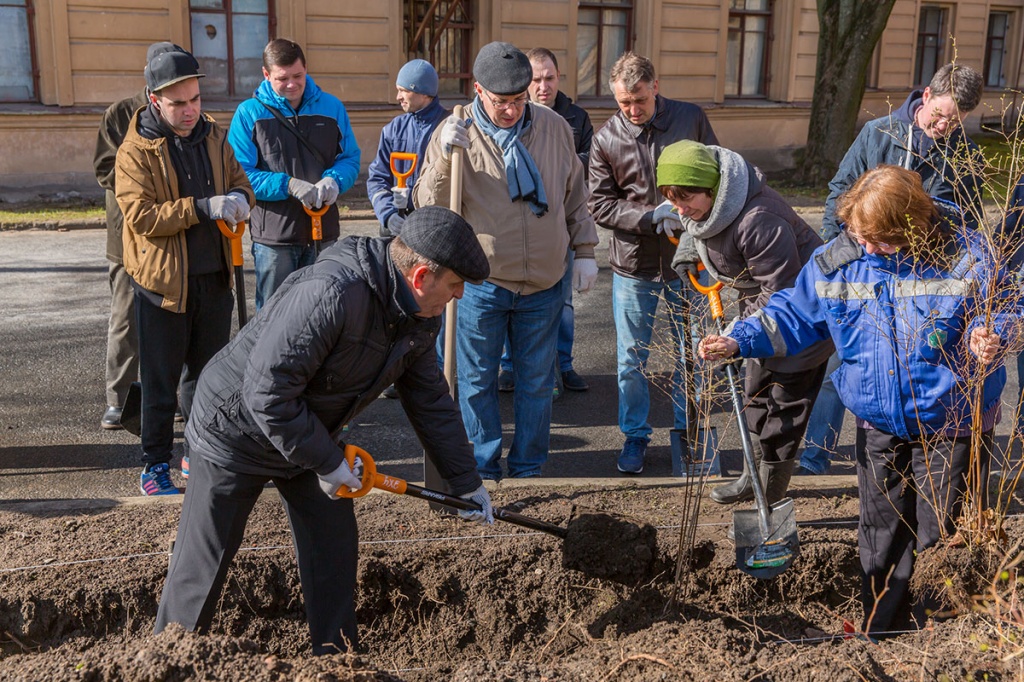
[751, 63]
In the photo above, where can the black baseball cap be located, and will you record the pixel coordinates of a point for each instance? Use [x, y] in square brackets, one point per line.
[168, 67]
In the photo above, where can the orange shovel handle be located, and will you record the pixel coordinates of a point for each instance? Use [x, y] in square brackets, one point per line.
[318, 225]
[371, 479]
[401, 176]
[713, 293]
[235, 235]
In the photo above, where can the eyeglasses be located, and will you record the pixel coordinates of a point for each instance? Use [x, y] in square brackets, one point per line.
[505, 106]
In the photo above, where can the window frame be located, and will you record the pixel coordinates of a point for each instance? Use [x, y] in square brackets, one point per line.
[415, 35]
[30, 17]
[766, 54]
[945, 28]
[601, 89]
[1006, 38]
[228, 14]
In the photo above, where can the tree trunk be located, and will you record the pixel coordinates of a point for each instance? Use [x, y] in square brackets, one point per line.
[848, 33]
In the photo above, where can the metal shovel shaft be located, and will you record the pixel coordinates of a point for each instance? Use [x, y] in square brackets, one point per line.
[760, 500]
[499, 513]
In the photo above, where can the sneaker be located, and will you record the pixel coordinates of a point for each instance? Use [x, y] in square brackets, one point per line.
[156, 480]
[184, 467]
[631, 459]
[111, 418]
[573, 381]
[506, 384]
[391, 393]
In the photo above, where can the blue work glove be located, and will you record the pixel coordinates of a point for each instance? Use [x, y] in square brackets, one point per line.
[483, 498]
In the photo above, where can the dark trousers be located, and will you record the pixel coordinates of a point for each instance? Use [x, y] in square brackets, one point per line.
[169, 342]
[214, 513]
[911, 493]
[778, 405]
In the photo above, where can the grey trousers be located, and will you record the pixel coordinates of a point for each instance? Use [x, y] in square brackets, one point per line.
[122, 337]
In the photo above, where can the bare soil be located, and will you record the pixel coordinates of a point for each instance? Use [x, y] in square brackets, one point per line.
[440, 599]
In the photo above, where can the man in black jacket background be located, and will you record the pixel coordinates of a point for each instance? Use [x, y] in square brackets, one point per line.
[271, 406]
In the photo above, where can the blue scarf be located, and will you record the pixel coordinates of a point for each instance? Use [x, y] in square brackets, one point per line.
[524, 181]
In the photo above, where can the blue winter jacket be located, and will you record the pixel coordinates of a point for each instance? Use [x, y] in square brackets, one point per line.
[405, 133]
[942, 164]
[900, 329]
[272, 154]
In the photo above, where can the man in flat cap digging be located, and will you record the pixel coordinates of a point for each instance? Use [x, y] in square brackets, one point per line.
[525, 193]
[272, 406]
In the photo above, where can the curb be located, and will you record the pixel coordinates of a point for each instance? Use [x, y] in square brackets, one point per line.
[86, 504]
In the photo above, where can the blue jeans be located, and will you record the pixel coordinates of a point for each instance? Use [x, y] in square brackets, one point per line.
[274, 263]
[486, 312]
[566, 331]
[824, 425]
[634, 305]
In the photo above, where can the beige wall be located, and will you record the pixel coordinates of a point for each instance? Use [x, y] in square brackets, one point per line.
[91, 52]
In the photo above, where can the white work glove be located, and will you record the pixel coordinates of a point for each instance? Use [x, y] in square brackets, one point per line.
[342, 476]
[666, 219]
[486, 513]
[395, 222]
[327, 191]
[400, 197]
[584, 274]
[306, 192]
[241, 207]
[454, 133]
[221, 207]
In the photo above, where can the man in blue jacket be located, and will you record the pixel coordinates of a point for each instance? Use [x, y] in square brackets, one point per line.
[923, 135]
[296, 145]
[410, 132]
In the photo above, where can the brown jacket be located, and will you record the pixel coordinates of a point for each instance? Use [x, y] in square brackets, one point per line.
[527, 253]
[156, 215]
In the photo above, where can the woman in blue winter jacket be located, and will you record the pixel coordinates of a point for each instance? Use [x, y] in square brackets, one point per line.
[912, 300]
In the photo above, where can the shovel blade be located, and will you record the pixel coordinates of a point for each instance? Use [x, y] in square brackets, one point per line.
[766, 557]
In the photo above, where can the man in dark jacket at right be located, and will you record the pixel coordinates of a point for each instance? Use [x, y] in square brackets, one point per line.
[273, 404]
[623, 199]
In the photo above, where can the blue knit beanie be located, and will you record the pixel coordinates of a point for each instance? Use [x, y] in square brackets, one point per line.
[418, 76]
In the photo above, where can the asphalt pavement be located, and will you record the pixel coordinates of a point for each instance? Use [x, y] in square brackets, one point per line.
[54, 303]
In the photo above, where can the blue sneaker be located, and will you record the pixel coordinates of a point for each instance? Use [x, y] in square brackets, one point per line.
[631, 459]
[184, 467]
[157, 481]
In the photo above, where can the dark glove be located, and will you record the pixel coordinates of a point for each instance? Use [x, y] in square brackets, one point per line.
[221, 207]
[486, 513]
[686, 257]
[395, 222]
[306, 192]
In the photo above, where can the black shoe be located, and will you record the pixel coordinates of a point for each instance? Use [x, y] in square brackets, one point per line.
[506, 384]
[573, 381]
[112, 418]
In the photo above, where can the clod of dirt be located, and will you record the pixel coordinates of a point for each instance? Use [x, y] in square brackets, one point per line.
[610, 547]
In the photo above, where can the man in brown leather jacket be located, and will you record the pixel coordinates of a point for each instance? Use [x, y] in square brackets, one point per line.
[624, 196]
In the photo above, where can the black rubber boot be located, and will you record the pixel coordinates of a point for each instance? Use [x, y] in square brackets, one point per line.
[775, 479]
[739, 490]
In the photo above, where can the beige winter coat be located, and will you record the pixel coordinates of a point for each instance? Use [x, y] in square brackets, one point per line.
[527, 253]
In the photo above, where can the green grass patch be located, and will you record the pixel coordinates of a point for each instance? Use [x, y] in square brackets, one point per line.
[18, 214]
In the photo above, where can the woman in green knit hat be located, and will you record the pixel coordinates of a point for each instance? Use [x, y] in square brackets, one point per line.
[750, 239]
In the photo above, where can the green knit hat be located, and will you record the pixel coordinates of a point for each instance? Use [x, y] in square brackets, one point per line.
[688, 164]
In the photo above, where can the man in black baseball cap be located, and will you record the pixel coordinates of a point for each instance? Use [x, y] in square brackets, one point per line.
[273, 404]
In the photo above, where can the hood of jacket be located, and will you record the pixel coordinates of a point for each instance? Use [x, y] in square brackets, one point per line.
[265, 93]
[729, 198]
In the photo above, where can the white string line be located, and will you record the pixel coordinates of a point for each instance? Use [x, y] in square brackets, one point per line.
[495, 536]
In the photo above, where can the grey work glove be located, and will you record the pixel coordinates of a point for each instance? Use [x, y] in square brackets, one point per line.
[342, 476]
[454, 133]
[400, 197]
[395, 222]
[241, 206]
[686, 257]
[327, 191]
[221, 207]
[666, 220]
[306, 192]
[483, 498]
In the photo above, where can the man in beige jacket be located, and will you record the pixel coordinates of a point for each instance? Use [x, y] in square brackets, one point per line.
[524, 192]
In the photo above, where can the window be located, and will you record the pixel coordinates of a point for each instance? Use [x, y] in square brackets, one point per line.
[746, 61]
[17, 69]
[995, 49]
[931, 42]
[441, 31]
[228, 37]
[605, 31]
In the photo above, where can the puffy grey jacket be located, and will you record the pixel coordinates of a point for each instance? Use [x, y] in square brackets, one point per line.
[274, 401]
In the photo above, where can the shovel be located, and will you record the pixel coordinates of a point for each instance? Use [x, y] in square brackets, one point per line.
[400, 192]
[586, 538]
[235, 236]
[315, 216]
[766, 540]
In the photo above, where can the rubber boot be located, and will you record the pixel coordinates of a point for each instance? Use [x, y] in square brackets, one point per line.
[739, 490]
[775, 479]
